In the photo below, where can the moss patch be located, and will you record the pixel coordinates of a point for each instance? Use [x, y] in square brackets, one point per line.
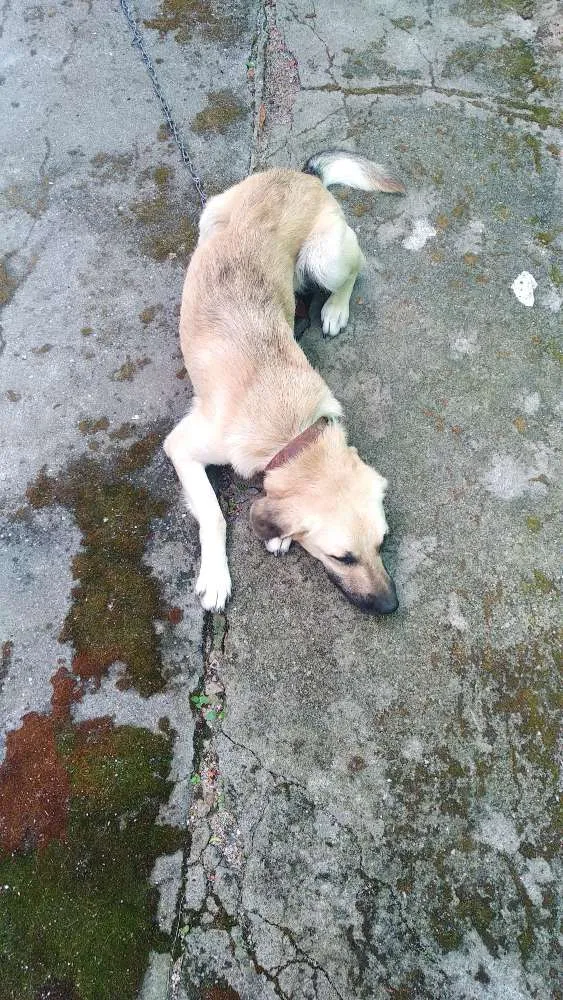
[480, 12]
[130, 368]
[91, 426]
[222, 110]
[505, 762]
[116, 599]
[165, 231]
[79, 802]
[514, 64]
[533, 143]
[404, 23]
[8, 284]
[369, 62]
[80, 912]
[181, 17]
[147, 315]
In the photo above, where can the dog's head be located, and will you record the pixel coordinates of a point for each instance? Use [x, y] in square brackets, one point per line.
[331, 502]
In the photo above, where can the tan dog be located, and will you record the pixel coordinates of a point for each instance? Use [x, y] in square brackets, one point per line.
[258, 404]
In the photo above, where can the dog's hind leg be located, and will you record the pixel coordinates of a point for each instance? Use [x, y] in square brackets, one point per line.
[331, 256]
[190, 448]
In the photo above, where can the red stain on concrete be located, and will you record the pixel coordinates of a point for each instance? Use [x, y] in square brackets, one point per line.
[175, 615]
[66, 690]
[34, 787]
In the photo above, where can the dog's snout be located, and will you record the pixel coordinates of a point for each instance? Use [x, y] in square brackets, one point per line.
[384, 603]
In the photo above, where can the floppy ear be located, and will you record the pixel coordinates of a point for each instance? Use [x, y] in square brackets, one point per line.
[267, 520]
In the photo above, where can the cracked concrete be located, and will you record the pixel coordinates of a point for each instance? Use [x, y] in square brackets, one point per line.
[348, 807]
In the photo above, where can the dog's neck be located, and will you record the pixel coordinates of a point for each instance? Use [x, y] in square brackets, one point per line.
[329, 411]
[297, 444]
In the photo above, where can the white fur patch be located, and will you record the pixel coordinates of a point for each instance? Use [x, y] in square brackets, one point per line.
[278, 546]
[334, 314]
[213, 585]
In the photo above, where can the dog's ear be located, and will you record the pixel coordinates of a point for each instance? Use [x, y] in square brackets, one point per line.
[267, 519]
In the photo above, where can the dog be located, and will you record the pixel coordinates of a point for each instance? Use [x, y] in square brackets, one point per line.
[258, 404]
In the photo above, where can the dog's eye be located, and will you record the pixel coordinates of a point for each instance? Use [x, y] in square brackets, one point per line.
[348, 559]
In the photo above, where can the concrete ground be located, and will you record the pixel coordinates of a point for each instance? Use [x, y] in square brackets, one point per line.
[290, 800]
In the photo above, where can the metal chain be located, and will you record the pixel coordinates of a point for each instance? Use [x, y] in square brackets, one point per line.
[139, 42]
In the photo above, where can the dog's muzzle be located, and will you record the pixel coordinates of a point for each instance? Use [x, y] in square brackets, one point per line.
[385, 602]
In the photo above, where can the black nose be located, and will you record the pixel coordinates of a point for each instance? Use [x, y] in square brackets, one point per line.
[385, 604]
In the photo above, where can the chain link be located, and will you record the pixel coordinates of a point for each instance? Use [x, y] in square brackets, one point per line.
[139, 42]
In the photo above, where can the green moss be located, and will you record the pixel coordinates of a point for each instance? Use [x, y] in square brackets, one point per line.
[91, 426]
[556, 276]
[82, 912]
[542, 116]
[533, 524]
[116, 599]
[130, 368]
[477, 906]
[404, 23]
[8, 284]
[513, 64]
[147, 315]
[552, 347]
[165, 231]
[543, 584]
[181, 16]
[222, 110]
[480, 12]
[533, 143]
[179, 242]
[162, 175]
[545, 238]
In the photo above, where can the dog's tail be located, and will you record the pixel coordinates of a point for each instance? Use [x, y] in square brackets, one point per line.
[338, 166]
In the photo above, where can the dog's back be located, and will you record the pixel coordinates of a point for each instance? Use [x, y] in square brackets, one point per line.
[238, 300]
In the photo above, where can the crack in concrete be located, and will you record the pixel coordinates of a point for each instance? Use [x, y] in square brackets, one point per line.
[6, 8]
[305, 957]
[258, 56]
[503, 106]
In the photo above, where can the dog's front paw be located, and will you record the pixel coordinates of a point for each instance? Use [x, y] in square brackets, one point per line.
[213, 585]
[278, 546]
[334, 315]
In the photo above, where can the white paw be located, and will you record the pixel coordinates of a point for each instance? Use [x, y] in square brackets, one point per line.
[334, 315]
[213, 585]
[279, 546]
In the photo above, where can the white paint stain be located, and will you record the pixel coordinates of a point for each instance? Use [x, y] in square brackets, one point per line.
[537, 874]
[464, 344]
[422, 232]
[499, 832]
[523, 287]
[507, 478]
[506, 979]
[390, 231]
[414, 554]
[470, 240]
[455, 616]
[413, 749]
[531, 403]
[551, 300]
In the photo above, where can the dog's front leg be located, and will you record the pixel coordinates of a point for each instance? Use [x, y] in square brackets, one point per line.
[185, 448]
